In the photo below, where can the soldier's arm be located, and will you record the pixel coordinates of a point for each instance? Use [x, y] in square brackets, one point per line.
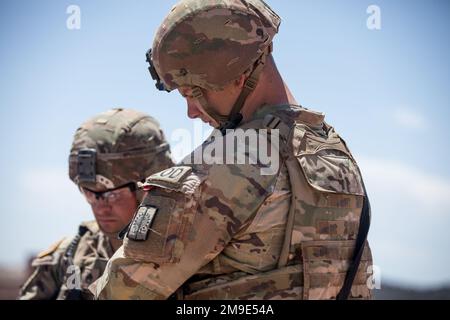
[181, 226]
[44, 282]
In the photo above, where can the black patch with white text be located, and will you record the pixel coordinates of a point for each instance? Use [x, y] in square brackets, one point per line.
[142, 221]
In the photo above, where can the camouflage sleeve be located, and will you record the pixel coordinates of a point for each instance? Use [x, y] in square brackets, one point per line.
[184, 222]
[45, 281]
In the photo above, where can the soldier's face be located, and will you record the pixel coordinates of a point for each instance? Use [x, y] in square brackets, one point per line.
[220, 101]
[114, 213]
[195, 109]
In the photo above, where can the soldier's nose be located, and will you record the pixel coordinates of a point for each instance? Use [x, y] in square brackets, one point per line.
[102, 208]
[192, 111]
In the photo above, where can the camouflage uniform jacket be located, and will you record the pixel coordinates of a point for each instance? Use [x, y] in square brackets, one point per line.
[225, 231]
[56, 274]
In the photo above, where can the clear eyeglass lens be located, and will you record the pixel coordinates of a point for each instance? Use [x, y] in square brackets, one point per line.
[108, 196]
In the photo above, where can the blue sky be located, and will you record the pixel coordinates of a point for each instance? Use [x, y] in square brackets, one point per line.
[385, 91]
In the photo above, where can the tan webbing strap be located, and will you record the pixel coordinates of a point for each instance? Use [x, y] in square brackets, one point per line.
[274, 122]
[292, 166]
[134, 153]
[197, 93]
[249, 85]
[251, 82]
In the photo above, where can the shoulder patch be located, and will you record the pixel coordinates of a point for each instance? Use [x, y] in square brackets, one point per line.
[51, 249]
[171, 178]
[142, 221]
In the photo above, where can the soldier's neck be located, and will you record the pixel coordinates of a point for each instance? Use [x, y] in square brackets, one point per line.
[115, 243]
[271, 90]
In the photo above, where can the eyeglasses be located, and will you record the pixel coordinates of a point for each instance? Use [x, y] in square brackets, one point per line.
[111, 196]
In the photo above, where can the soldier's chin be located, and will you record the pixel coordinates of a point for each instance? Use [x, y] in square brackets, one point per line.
[110, 227]
[211, 123]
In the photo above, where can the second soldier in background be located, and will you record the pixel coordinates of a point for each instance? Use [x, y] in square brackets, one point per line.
[110, 154]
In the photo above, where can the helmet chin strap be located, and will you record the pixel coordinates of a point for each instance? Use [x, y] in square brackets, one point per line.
[235, 117]
[197, 93]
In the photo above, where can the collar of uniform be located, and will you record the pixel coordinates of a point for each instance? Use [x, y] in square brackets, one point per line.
[269, 109]
[288, 113]
[104, 247]
[92, 226]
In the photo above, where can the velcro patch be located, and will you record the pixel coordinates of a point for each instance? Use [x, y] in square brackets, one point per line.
[51, 249]
[142, 221]
[171, 178]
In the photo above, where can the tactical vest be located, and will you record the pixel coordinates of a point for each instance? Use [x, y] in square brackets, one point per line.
[327, 199]
[83, 262]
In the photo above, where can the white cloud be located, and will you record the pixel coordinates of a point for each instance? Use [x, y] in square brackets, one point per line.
[410, 221]
[399, 178]
[410, 119]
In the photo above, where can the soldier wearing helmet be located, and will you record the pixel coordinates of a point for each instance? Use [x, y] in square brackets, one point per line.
[223, 230]
[110, 154]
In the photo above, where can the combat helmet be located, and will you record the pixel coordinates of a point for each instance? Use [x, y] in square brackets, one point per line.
[116, 148]
[208, 44]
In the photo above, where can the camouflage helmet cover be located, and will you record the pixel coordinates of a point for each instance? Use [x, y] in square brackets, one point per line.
[124, 146]
[209, 43]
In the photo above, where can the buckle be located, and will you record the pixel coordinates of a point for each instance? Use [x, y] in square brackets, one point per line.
[197, 92]
[251, 83]
[271, 121]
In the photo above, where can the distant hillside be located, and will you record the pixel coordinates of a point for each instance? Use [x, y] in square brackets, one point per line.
[390, 292]
[10, 282]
